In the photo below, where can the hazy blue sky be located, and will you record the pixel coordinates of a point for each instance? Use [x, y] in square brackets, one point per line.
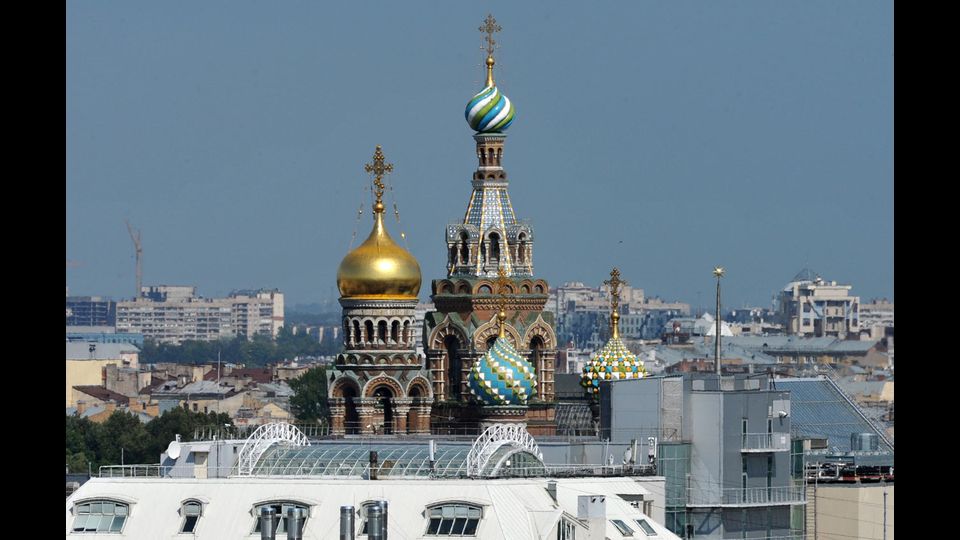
[661, 137]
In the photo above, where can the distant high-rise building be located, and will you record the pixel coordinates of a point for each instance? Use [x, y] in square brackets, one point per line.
[811, 306]
[91, 311]
[173, 314]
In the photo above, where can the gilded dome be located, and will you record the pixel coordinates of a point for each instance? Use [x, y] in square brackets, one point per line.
[379, 268]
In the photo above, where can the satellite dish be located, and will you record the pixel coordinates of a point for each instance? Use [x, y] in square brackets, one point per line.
[173, 451]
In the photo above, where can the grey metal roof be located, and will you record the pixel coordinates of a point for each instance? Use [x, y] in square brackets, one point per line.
[80, 350]
[818, 408]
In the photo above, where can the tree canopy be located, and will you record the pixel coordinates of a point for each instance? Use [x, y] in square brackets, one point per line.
[309, 400]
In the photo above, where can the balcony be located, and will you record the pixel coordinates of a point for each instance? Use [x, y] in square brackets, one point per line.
[772, 496]
[765, 442]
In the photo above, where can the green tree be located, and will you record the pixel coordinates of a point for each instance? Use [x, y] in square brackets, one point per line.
[309, 400]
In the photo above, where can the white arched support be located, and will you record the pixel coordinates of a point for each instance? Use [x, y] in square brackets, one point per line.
[263, 438]
[495, 437]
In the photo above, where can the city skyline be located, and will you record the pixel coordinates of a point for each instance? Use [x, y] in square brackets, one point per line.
[235, 141]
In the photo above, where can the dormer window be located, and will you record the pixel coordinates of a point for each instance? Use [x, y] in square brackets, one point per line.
[191, 512]
[454, 520]
[100, 516]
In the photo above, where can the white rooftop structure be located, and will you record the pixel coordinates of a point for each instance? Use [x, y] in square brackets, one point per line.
[497, 489]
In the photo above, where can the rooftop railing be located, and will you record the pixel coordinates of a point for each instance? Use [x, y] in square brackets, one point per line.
[746, 496]
[765, 442]
[132, 471]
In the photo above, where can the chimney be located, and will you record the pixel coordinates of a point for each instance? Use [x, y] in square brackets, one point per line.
[346, 523]
[384, 505]
[375, 522]
[593, 509]
[268, 523]
[552, 490]
[295, 524]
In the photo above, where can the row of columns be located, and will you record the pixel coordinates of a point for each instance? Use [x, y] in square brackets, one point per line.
[419, 422]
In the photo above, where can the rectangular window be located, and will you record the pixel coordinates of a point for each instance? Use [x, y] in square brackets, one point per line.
[743, 427]
[622, 527]
[645, 527]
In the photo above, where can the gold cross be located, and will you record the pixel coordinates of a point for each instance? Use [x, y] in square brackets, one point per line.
[615, 282]
[378, 168]
[489, 27]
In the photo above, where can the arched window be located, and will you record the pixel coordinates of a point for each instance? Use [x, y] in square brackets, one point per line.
[368, 326]
[464, 248]
[406, 333]
[191, 512]
[357, 338]
[494, 247]
[539, 289]
[484, 289]
[453, 368]
[103, 516]
[281, 507]
[382, 331]
[395, 331]
[522, 248]
[455, 519]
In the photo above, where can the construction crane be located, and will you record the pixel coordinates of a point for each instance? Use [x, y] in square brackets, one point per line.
[138, 246]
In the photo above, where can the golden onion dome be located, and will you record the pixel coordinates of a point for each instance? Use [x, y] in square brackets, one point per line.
[379, 268]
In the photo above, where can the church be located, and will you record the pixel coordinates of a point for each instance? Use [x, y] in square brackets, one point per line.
[490, 348]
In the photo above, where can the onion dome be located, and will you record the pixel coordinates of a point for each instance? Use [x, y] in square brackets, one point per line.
[614, 361]
[502, 376]
[379, 268]
[489, 111]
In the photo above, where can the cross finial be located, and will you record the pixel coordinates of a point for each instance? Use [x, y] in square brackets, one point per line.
[489, 27]
[502, 282]
[718, 271]
[615, 282]
[378, 168]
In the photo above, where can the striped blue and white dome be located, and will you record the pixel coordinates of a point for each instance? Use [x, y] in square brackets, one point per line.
[502, 376]
[489, 111]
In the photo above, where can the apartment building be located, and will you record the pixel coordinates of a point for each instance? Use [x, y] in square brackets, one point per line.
[810, 306]
[173, 314]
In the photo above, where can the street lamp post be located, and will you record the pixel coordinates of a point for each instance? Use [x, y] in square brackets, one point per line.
[718, 272]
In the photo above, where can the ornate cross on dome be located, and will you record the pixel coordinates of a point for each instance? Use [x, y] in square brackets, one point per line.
[615, 282]
[379, 169]
[489, 27]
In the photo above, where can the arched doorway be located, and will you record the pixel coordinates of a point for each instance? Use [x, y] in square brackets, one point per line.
[454, 364]
[385, 401]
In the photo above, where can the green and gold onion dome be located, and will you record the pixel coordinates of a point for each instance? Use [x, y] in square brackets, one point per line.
[379, 269]
[489, 111]
[614, 361]
[502, 376]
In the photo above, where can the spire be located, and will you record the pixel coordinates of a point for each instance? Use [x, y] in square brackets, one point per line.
[615, 282]
[502, 282]
[489, 27]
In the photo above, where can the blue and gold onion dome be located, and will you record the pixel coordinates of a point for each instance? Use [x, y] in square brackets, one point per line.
[489, 111]
[503, 376]
[611, 363]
